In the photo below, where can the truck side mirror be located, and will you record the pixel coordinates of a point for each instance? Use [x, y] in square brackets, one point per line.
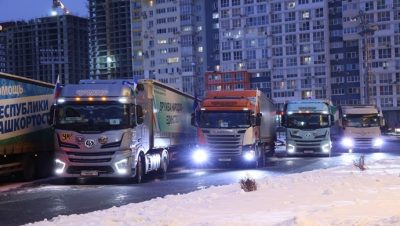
[382, 121]
[283, 120]
[258, 119]
[139, 115]
[140, 87]
[193, 119]
[332, 119]
[50, 118]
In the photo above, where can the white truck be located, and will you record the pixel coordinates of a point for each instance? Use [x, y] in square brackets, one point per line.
[235, 127]
[307, 124]
[24, 132]
[117, 128]
[360, 127]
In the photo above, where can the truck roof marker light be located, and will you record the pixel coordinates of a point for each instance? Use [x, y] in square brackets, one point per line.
[103, 98]
[77, 98]
[90, 98]
[60, 100]
[123, 100]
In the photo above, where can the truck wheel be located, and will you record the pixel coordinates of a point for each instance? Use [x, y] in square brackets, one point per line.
[163, 167]
[271, 151]
[28, 171]
[45, 165]
[139, 170]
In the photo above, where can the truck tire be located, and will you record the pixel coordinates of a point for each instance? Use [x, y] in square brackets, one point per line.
[45, 165]
[29, 168]
[163, 167]
[139, 170]
[271, 151]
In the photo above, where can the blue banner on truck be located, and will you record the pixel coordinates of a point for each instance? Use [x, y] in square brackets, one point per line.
[24, 107]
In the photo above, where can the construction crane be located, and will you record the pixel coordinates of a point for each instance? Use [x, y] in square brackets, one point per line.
[59, 4]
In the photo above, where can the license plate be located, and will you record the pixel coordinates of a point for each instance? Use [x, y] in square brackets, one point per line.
[89, 173]
[308, 151]
[224, 159]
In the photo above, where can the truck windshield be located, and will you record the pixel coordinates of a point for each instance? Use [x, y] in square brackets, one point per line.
[308, 121]
[371, 120]
[93, 117]
[226, 119]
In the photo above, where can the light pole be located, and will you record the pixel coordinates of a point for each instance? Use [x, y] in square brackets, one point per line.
[367, 30]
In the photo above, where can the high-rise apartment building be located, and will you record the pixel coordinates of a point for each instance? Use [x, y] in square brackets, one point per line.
[344, 59]
[176, 46]
[3, 48]
[48, 47]
[173, 41]
[283, 44]
[369, 72]
[110, 36]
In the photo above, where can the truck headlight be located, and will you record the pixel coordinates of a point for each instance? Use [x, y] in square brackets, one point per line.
[59, 166]
[122, 166]
[326, 148]
[291, 148]
[377, 142]
[348, 142]
[200, 156]
[249, 155]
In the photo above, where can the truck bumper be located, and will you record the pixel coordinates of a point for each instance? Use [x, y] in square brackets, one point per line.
[79, 164]
[294, 149]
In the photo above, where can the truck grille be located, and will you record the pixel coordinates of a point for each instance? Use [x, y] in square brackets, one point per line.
[90, 157]
[363, 142]
[100, 169]
[308, 143]
[90, 160]
[224, 144]
[91, 153]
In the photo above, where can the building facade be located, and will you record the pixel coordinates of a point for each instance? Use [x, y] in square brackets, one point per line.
[48, 47]
[283, 44]
[374, 26]
[110, 38]
[176, 41]
[227, 80]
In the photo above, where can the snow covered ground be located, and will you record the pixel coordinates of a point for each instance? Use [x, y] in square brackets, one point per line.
[337, 196]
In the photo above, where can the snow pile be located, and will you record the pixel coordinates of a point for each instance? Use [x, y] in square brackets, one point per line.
[336, 196]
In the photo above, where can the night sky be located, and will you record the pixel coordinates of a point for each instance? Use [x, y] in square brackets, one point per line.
[29, 9]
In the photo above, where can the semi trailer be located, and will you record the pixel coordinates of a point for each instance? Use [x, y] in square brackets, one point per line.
[26, 146]
[118, 128]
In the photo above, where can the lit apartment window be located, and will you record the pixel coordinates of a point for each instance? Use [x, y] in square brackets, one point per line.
[305, 15]
[173, 60]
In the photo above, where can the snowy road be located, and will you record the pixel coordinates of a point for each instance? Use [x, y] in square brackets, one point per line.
[49, 198]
